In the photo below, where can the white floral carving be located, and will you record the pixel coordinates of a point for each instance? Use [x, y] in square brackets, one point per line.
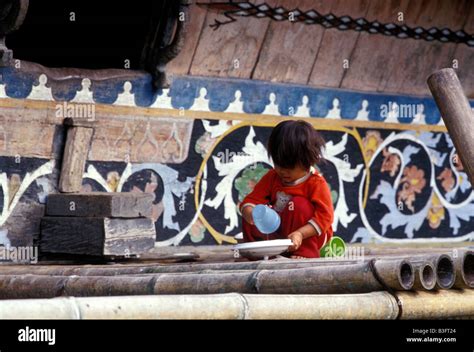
[228, 170]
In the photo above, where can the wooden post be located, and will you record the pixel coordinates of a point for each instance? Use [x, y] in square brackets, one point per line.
[78, 142]
[456, 113]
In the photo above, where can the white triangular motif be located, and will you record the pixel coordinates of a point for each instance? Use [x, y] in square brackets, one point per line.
[201, 103]
[237, 105]
[41, 92]
[85, 95]
[303, 110]
[420, 117]
[127, 98]
[3, 93]
[335, 112]
[272, 108]
[363, 114]
[393, 113]
[163, 101]
[441, 121]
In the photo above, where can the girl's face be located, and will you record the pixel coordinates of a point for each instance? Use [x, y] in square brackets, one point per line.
[291, 175]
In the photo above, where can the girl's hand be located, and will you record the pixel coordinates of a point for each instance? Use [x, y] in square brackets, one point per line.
[297, 238]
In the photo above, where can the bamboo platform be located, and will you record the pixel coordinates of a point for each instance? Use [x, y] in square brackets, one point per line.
[208, 283]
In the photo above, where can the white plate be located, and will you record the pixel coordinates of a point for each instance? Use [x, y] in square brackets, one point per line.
[262, 249]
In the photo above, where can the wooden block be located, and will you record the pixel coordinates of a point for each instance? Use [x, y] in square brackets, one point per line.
[96, 236]
[100, 204]
[74, 160]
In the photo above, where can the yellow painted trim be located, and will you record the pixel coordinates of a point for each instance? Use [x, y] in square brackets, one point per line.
[211, 115]
[358, 138]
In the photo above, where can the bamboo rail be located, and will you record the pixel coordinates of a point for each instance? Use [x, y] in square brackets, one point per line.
[375, 305]
[354, 278]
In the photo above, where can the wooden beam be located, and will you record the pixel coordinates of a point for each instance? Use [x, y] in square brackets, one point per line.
[456, 113]
[371, 58]
[416, 59]
[336, 46]
[100, 204]
[182, 63]
[78, 142]
[463, 58]
[232, 50]
[289, 49]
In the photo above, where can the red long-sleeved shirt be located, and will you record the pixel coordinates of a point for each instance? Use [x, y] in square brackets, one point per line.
[271, 190]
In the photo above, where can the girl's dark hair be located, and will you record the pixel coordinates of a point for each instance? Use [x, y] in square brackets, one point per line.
[295, 142]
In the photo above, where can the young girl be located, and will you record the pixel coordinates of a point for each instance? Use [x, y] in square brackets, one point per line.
[295, 190]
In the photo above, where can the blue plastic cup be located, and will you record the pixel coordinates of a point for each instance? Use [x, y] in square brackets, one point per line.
[266, 219]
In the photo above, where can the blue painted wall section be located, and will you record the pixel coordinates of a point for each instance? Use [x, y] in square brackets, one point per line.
[388, 184]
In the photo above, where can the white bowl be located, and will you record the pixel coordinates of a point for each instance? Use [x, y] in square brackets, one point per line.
[262, 249]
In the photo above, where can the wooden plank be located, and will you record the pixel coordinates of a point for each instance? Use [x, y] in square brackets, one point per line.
[25, 132]
[100, 204]
[233, 49]
[406, 65]
[182, 63]
[289, 49]
[457, 115]
[74, 160]
[135, 138]
[370, 59]
[123, 134]
[464, 56]
[337, 46]
[96, 236]
[417, 59]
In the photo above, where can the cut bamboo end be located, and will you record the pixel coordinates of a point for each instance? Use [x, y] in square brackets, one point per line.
[407, 275]
[427, 276]
[445, 272]
[464, 267]
[398, 274]
[468, 269]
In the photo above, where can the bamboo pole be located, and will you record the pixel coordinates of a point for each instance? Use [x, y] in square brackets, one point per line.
[456, 113]
[437, 304]
[376, 305]
[398, 274]
[464, 267]
[355, 278]
[445, 279]
[129, 269]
